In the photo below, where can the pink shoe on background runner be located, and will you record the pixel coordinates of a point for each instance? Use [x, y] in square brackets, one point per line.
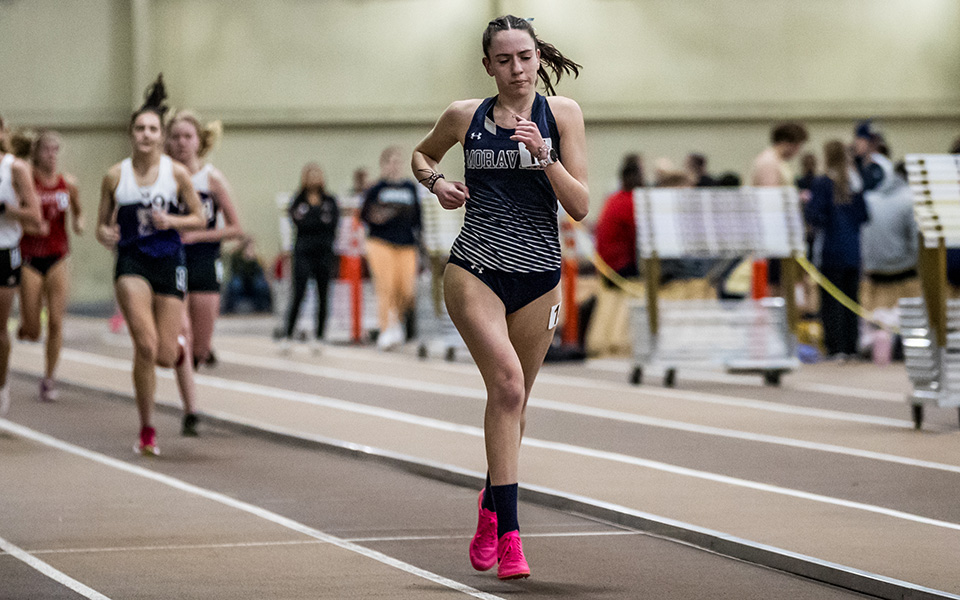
[483, 546]
[512, 565]
[147, 445]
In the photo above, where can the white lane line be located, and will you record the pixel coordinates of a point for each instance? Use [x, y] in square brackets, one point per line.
[176, 547]
[257, 511]
[703, 397]
[292, 366]
[581, 451]
[279, 364]
[526, 534]
[746, 436]
[735, 481]
[355, 540]
[838, 390]
[477, 432]
[600, 413]
[54, 574]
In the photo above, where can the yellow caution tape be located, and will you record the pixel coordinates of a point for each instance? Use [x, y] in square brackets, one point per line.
[638, 291]
[631, 288]
[842, 298]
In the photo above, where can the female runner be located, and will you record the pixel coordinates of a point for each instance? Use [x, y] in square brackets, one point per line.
[188, 141]
[145, 201]
[523, 152]
[19, 208]
[44, 278]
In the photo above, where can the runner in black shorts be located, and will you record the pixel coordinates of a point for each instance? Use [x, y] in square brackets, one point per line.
[145, 201]
[19, 207]
[523, 152]
[188, 140]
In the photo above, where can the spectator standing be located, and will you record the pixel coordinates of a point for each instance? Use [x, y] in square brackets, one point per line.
[697, 168]
[837, 211]
[616, 231]
[890, 247]
[808, 171]
[315, 215]
[875, 168]
[771, 168]
[391, 211]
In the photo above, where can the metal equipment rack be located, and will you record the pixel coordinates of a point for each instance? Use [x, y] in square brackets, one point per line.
[435, 330]
[930, 326]
[746, 336]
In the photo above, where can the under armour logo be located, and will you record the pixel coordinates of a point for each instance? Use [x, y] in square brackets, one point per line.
[475, 135]
[479, 270]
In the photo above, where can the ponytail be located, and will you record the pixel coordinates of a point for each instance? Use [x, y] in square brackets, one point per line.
[558, 63]
[210, 137]
[550, 57]
[209, 134]
[154, 99]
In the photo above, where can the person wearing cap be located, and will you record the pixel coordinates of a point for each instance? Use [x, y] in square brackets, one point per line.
[876, 170]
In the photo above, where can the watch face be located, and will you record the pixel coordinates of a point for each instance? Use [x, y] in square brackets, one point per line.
[554, 157]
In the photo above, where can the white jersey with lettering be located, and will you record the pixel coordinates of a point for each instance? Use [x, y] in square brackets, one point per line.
[10, 229]
[136, 205]
[210, 211]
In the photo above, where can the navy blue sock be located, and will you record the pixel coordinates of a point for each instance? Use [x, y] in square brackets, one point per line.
[505, 499]
[487, 495]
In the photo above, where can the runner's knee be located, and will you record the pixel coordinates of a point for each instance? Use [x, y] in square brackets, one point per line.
[145, 348]
[506, 391]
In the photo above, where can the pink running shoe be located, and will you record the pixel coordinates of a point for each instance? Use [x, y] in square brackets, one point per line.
[147, 445]
[512, 565]
[483, 546]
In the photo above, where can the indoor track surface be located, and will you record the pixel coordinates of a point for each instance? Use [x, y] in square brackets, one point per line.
[354, 474]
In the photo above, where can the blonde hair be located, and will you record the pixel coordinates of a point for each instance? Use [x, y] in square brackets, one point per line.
[389, 152]
[309, 168]
[209, 134]
[42, 136]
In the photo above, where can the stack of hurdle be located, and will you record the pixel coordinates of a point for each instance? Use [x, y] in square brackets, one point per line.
[745, 336]
[930, 326]
[435, 331]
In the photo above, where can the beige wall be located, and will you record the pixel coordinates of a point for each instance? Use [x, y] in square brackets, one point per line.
[65, 62]
[336, 80]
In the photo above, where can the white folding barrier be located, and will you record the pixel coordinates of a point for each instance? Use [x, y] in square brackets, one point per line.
[930, 326]
[746, 336]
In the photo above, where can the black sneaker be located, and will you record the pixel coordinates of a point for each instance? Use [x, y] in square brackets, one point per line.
[190, 421]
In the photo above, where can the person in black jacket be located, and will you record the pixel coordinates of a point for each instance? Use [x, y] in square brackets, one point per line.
[315, 215]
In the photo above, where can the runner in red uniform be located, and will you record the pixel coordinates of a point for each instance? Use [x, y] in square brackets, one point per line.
[44, 277]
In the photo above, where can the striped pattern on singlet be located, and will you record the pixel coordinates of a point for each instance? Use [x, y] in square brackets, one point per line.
[511, 216]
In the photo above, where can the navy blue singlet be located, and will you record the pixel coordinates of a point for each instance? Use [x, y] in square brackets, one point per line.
[511, 217]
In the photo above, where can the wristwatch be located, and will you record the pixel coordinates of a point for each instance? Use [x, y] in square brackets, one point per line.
[546, 156]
